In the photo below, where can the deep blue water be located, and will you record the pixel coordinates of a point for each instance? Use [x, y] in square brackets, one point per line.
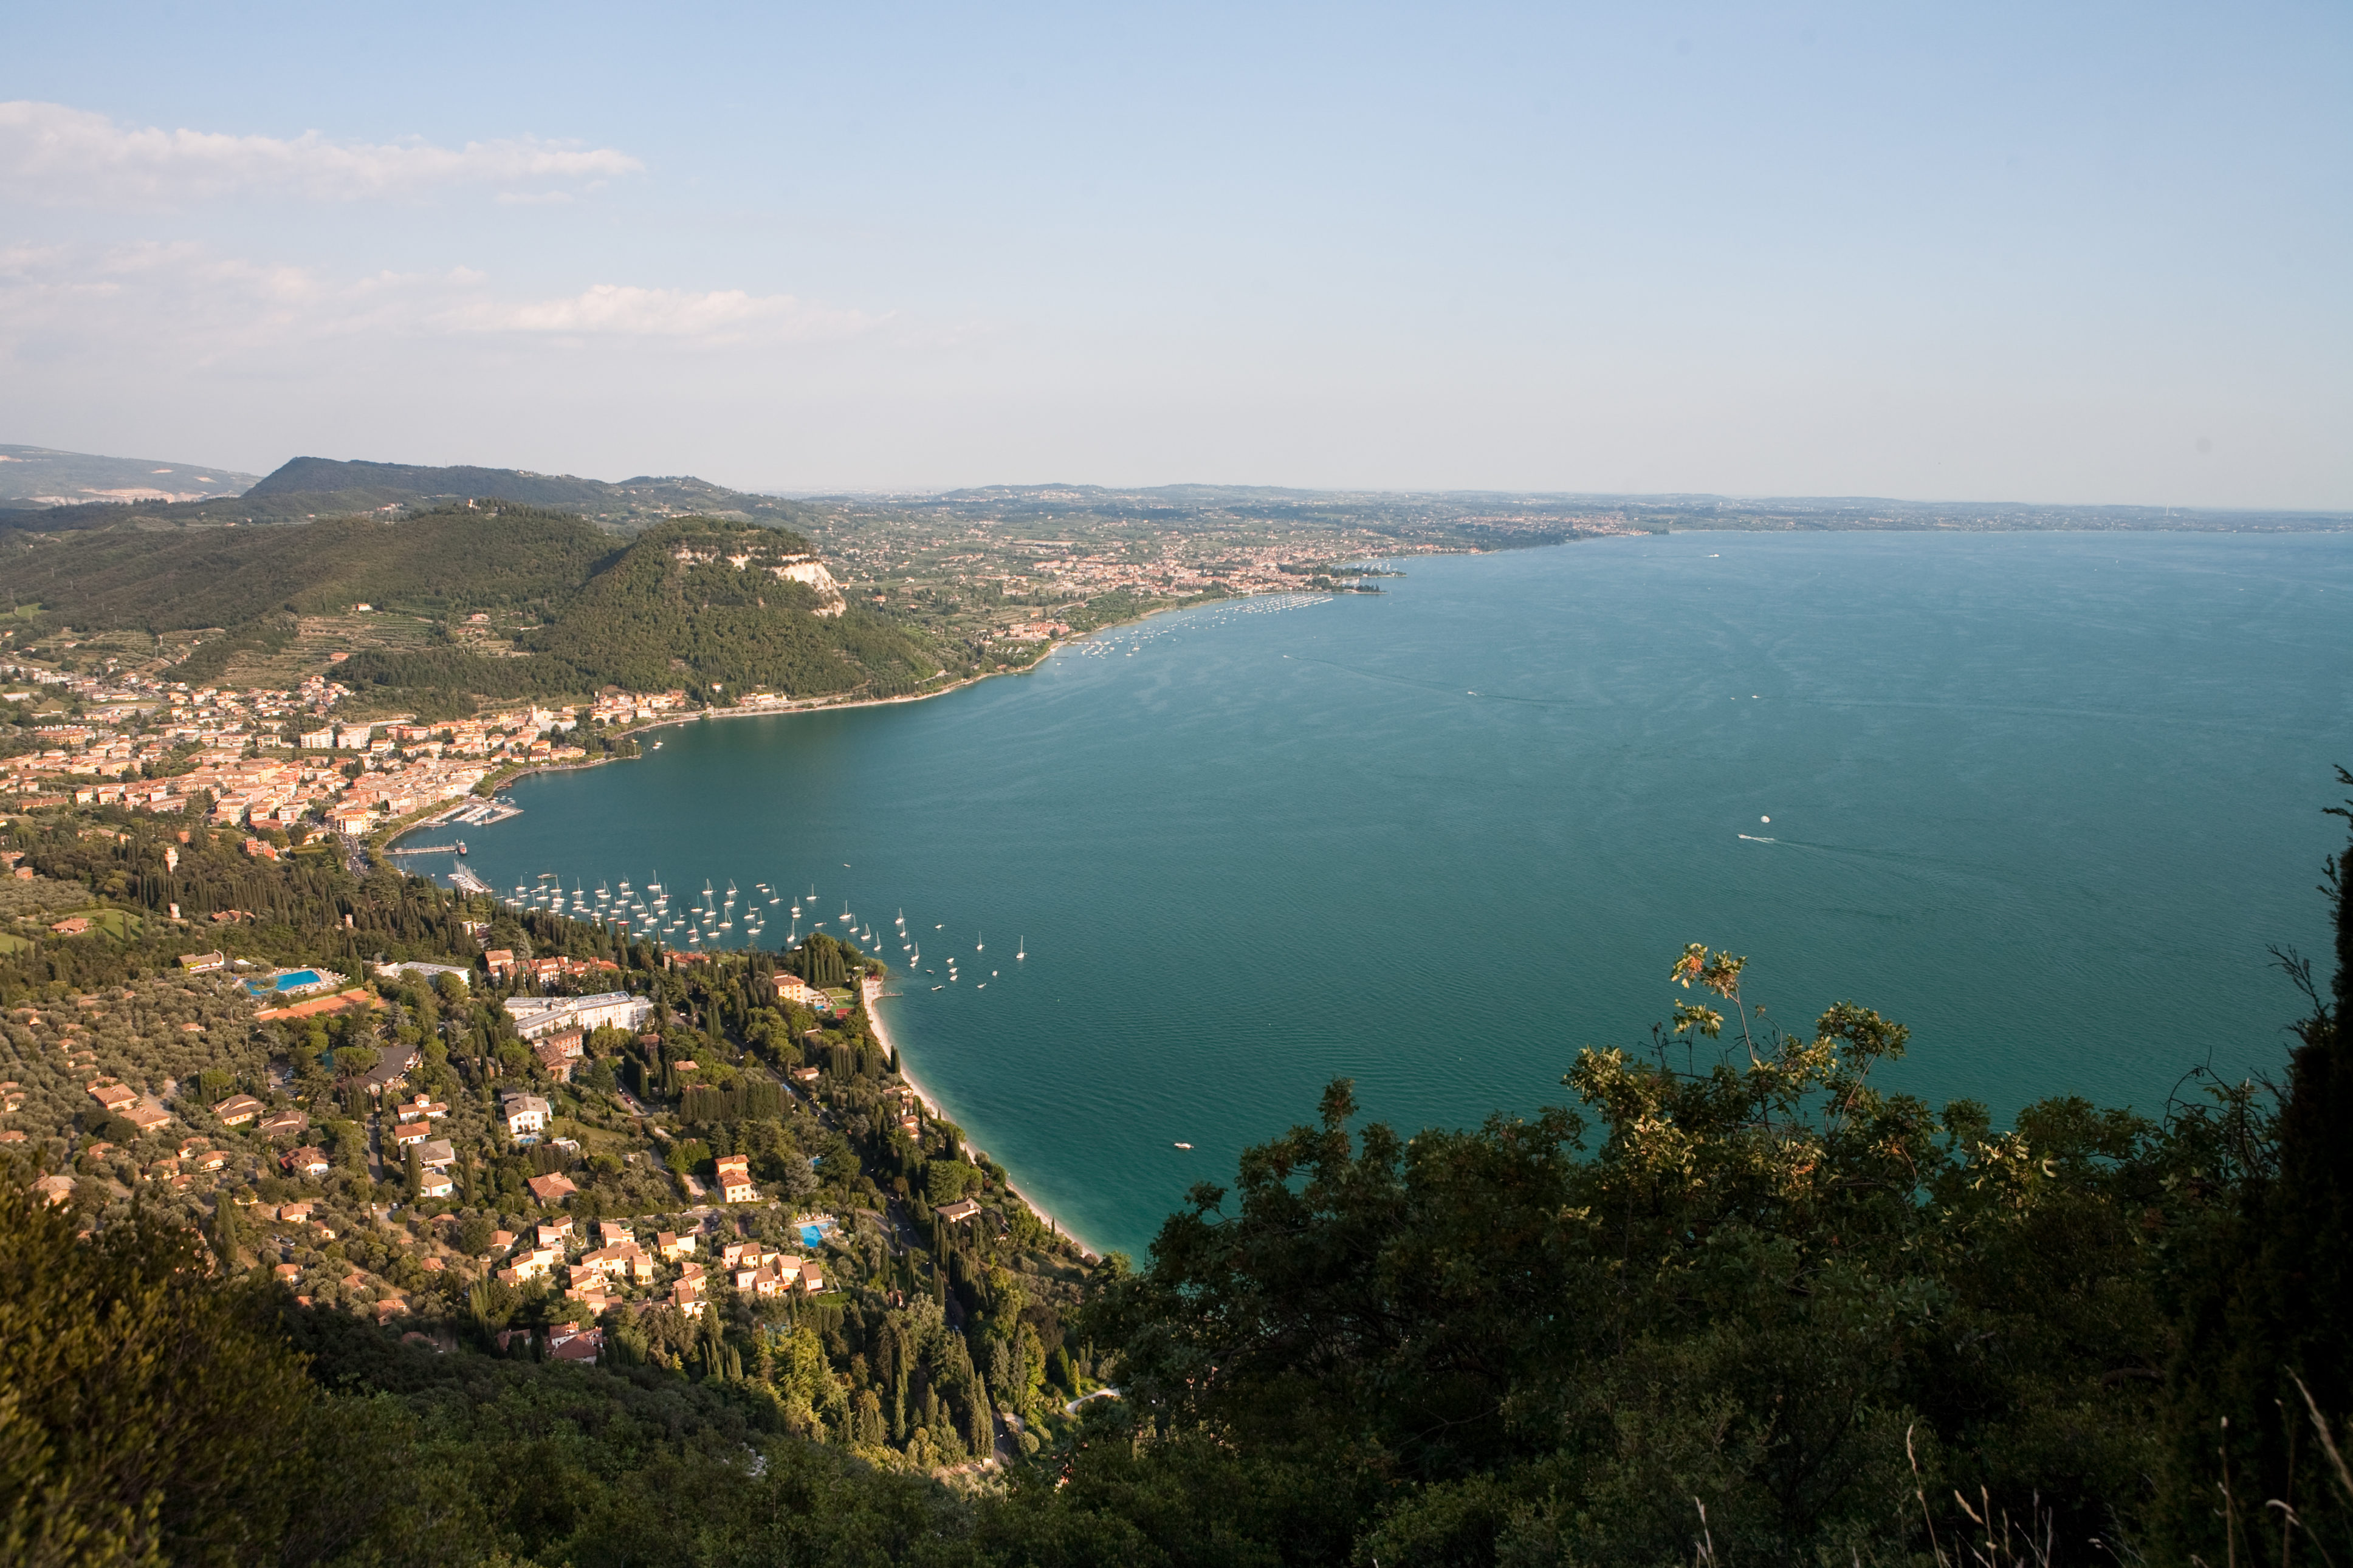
[2046, 799]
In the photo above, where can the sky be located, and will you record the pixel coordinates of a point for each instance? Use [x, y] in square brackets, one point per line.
[2035, 252]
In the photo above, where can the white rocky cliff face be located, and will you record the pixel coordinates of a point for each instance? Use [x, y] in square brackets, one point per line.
[790, 568]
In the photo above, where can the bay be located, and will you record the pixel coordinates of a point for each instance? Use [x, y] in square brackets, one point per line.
[2047, 799]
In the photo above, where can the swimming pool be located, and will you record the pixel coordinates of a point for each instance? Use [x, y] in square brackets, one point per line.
[282, 983]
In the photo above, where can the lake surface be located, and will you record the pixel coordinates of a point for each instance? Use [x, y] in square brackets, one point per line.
[2046, 799]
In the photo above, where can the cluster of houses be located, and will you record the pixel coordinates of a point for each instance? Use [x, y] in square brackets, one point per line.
[412, 1128]
[634, 706]
[407, 766]
[616, 1259]
[193, 1156]
[136, 722]
[504, 966]
[764, 1270]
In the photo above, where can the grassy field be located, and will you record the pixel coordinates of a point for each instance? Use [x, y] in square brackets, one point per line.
[122, 925]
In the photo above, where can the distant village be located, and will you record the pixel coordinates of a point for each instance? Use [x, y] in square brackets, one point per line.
[282, 760]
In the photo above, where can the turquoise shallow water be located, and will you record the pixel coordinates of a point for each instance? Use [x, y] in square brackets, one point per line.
[2044, 799]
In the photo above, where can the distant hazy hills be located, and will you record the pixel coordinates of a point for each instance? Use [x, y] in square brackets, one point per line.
[43, 477]
[308, 489]
[1470, 518]
[46, 491]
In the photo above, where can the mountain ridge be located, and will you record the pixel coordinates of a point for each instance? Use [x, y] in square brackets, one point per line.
[308, 489]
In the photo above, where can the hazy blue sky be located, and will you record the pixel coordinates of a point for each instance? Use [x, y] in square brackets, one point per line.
[1952, 250]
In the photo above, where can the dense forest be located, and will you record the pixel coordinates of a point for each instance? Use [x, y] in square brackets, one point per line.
[1733, 1301]
[694, 595]
[452, 560]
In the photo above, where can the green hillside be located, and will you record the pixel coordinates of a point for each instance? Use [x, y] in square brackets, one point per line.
[706, 593]
[453, 559]
[325, 475]
[695, 602]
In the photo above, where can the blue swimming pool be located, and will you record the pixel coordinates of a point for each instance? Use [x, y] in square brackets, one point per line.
[283, 983]
[812, 1238]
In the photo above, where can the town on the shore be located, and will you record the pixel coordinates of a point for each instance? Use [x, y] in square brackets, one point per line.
[282, 761]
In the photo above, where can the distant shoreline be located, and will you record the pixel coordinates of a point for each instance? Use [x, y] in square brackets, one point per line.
[819, 705]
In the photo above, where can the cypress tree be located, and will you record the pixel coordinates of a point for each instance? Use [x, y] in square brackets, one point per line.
[227, 1231]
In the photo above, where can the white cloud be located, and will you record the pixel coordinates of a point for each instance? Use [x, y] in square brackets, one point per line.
[716, 316]
[71, 157]
[182, 303]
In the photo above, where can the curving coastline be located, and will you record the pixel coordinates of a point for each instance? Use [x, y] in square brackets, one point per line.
[931, 1105]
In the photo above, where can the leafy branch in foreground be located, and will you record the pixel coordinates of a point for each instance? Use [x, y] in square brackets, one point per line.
[1758, 1307]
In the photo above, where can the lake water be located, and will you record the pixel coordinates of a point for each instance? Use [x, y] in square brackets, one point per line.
[2046, 799]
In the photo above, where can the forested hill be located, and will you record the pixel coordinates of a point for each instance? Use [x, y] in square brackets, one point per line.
[713, 597]
[450, 561]
[305, 489]
[694, 602]
[326, 476]
[699, 603]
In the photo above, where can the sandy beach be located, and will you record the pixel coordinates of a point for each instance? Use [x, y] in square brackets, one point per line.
[932, 1107]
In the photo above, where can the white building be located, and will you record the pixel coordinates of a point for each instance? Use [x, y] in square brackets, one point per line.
[429, 973]
[526, 1114]
[537, 1015]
